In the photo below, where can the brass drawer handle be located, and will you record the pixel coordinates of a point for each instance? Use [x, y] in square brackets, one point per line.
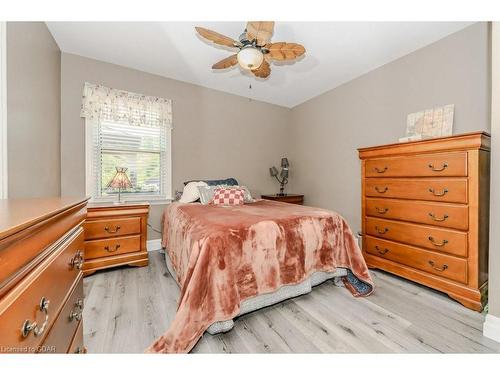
[77, 315]
[111, 250]
[433, 217]
[80, 350]
[77, 312]
[445, 266]
[381, 252]
[28, 326]
[79, 303]
[107, 229]
[443, 167]
[381, 210]
[77, 261]
[380, 170]
[437, 193]
[433, 241]
[380, 190]
[381, 231]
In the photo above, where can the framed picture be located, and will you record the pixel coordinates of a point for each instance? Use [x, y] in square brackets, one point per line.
[431, 123]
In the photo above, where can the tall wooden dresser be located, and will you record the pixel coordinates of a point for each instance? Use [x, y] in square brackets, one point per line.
[41, 289]
[425, 213]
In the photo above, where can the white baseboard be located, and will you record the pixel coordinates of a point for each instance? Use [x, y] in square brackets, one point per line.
[153, 245]
[491, 327]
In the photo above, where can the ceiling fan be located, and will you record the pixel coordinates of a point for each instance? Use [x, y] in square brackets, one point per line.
[255, 48]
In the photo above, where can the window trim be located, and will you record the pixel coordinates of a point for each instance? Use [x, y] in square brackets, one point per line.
[3, 111]
[90, 175]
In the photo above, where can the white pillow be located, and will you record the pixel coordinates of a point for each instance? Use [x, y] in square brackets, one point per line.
[191, 192]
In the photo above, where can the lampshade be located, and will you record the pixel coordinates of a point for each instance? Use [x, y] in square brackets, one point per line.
[273, 171]
[284, 163]
[250, 58]
[284, 173]
[120, 180]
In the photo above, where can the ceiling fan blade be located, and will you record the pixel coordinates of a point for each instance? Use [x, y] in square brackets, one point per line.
[285, 51]
[263, 70]
[262, 31]
[216, 37]
[226, 63]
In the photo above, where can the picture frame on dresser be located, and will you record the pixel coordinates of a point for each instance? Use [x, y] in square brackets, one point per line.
[425, 213]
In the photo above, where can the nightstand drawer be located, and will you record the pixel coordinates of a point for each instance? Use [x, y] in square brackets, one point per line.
[112, 227]
[112, 246]
[289, 198]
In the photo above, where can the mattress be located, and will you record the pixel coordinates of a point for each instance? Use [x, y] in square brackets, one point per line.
[267, 299]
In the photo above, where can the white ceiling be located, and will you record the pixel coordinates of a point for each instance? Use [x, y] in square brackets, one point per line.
[336, 52]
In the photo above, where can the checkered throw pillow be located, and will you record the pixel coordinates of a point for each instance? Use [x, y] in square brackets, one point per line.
[228, 196]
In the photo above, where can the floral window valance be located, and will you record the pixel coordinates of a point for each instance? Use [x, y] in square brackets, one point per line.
[103, 103]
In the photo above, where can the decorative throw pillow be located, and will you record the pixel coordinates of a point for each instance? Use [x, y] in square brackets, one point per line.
[177, 195]
[190, 192]
[248, 196]
[207, 193]
[228, 181]
[229, 196]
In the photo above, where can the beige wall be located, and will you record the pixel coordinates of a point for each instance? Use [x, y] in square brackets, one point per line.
[215, 134]
[494, 266]
[372, 109]
[33, 110]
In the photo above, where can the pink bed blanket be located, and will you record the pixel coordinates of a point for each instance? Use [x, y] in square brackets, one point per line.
[225, 255]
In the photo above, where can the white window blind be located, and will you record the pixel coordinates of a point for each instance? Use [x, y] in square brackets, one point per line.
[130, 134]
[141, 149]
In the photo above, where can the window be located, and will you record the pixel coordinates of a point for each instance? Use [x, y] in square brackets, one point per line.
[127, 133]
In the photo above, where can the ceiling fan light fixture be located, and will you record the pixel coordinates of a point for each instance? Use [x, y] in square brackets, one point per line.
[250, 58]
[253, 44]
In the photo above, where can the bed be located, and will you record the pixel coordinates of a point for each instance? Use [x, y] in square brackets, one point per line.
[230, 260]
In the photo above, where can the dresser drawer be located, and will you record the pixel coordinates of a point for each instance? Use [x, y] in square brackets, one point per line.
[433, 165]
[440, 214]
[438, 239]
[112, 246]
[430, 189]
[39, 297]
[438, 264]
[77, 346]
[106, 228]
[64, 328]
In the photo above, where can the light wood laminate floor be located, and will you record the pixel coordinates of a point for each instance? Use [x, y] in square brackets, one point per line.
[127, 308]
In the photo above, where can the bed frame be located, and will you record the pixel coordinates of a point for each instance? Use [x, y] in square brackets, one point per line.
[268, 299]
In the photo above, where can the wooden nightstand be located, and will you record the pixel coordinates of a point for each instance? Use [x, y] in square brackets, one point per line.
[289, 198]
[115, 235]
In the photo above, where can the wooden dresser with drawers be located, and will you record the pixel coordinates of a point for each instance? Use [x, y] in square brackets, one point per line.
[115, 235]
[41, 289]
[425, 213]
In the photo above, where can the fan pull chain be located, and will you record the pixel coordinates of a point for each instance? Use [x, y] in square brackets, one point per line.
[250, 87]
